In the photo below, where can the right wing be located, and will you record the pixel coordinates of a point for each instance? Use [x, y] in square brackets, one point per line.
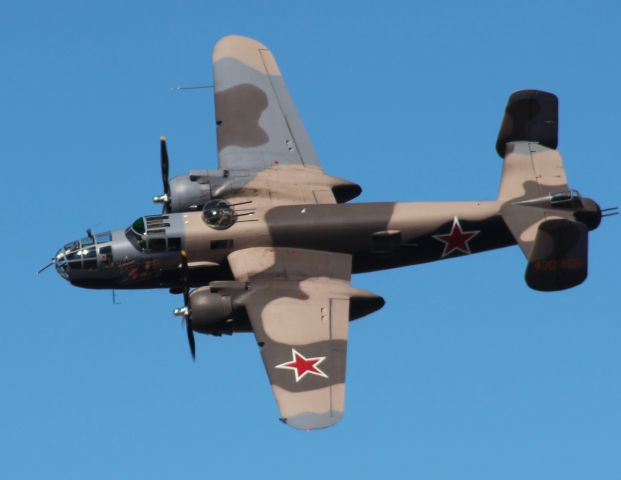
[298, 305]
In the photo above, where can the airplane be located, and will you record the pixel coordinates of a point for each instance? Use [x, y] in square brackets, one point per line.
[267, 243]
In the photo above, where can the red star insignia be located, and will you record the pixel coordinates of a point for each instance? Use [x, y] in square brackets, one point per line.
[457, 239]
[302, 366]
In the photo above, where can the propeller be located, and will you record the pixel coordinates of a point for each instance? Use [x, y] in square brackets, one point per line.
[186, 311]
[164, 199]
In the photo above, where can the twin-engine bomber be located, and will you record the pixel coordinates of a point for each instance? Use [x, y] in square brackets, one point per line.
[268, 241]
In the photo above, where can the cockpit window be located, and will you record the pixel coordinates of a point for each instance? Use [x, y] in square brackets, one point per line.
[138, 226]
[135, 239]
[142, 237]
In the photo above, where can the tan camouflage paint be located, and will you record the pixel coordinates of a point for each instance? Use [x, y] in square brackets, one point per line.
[530, 171]
[299, 301]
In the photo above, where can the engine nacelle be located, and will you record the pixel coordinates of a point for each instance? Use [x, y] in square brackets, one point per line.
[209, 309]
[192, 191]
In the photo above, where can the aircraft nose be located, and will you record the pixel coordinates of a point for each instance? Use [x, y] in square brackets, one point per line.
[61, 260]
[86, 261]
[76, 257]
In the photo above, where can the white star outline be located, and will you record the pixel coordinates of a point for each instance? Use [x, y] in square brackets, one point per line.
[467, 250]
[298, 377]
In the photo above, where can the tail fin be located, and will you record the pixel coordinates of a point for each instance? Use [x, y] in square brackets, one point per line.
[531, 170]
[531, 115]
[527, 142]
[538, 207]
[559, 258]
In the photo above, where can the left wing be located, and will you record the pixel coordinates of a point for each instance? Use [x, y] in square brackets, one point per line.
[258, 124]
[298, 306]
[262, 144]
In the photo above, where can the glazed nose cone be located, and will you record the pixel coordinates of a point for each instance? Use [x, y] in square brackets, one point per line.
[60, 262]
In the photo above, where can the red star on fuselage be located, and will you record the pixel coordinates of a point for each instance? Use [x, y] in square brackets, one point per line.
[302, 366]
[457, 239]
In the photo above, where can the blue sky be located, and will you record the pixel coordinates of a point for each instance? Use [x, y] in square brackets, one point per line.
[465, 373]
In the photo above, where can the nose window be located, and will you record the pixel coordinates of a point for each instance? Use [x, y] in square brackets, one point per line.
[82, 255]
[74, 256]
[105, 256]
[87, 241]
[87, 252]
[89, 255]
[90, 264]
[72, 245]
[103, 237]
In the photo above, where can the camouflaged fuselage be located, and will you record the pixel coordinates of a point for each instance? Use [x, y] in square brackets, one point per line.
[377, 235]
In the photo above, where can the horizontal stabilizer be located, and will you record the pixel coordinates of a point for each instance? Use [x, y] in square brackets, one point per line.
[530, 115]
[559, 257]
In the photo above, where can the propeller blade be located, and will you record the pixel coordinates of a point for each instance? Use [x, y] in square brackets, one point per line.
[186, 301]
[188, 325]
[165, 165]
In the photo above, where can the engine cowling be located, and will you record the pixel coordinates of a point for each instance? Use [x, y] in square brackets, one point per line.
[210, 309]
[193, 190]
[190, 192]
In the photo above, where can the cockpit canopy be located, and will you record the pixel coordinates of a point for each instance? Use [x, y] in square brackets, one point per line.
[148, 234]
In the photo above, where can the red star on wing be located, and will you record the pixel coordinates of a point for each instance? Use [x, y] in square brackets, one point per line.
[302, 366]
[457, 239]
